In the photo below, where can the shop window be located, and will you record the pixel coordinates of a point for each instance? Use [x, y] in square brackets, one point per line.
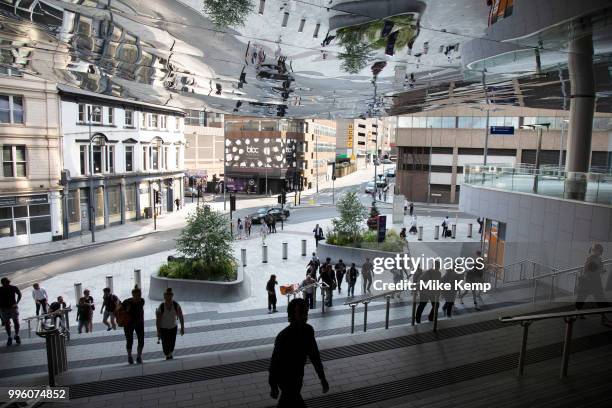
[20, 211]
[39, 210]
[99, 195]
[114, 200]
[6, 228]
[130, 198]
[73, 207]
[40, 224]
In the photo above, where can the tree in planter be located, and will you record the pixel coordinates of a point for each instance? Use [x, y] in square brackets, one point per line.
[206, 242]
[356, 56]
[352, 212]
[228, 13]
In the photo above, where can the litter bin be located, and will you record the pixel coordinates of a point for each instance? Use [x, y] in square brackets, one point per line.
[55, 345]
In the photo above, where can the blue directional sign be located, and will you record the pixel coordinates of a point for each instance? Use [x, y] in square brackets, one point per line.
[502, 130]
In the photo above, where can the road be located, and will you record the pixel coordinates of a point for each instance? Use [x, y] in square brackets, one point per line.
[26, 271]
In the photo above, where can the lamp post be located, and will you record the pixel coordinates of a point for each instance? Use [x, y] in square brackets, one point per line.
[563, 122]
[538, 127]
[92, 196]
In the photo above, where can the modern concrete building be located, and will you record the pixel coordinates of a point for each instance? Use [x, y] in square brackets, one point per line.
[30, 189]
[358, 139]
[119, 155]
[204, 135]
[434, 147]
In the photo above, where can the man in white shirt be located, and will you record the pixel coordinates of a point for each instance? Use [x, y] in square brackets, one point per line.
[40, 298]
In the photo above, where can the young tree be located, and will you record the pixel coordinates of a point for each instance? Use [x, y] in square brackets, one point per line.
[352, 214]
[228, 13]
[355, 57]
[206, 237]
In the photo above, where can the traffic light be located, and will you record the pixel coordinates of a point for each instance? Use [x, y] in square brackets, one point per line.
[232, 202]
[284, 197]
[279, 199]
[156, 197]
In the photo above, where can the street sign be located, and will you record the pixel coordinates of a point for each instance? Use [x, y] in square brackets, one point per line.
[502, 130]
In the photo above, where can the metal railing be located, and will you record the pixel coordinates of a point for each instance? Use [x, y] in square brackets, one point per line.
[365, 300]
[301, 289]
[569, 317]
[61, 314]
[529, 270]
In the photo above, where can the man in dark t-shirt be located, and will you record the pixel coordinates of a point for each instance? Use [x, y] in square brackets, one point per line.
[292, 346]
[10, 296]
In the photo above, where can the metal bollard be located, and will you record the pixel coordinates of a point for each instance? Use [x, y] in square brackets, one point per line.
[353, 306]
[137, 279]
[365, 315]
[303, 247]
[78, 292]
[436, 232]
[523, 353]
[421, 233]
[264, 253]
[322, 299]
[243, 256]
[453, 231]
[109, 283]
[285, 250]
[469, 230]
[569, 324]
[387, 311]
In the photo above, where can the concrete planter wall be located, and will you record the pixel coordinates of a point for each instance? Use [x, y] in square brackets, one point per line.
[200, 290]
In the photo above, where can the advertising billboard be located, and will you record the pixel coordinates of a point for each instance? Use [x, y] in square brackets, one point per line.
[260, 152]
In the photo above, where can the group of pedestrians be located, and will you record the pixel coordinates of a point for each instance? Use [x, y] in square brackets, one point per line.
[268, 226]
[243, 228]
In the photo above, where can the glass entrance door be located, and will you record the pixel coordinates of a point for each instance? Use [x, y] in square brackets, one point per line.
[21, 231]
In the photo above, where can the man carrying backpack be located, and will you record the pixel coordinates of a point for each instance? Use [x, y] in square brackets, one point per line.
[109, 304]
[166, 316]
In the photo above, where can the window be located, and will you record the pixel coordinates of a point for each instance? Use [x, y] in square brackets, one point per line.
[145, 155]
[153, 121]
[74, 215]
[162, 121]
[177, 123]
[155, 157]
[316, 31]
[130, 198]
[129, 158]
[14, 161]
[11, 109]
[110, 159]
[83, 159]
[165, 161]
[82, 109]
[262, 6]
[113, 194]
[111, 114]
[97, 159]
[95, 113]
[178, 157]
[143, 120]
[302, 22]
[40, 224]
[285, 19]
[129, 118]
[8, 71]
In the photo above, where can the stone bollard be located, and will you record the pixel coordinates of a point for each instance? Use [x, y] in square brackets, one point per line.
[303, 247]
[421, 233]
[469, 230]
[285, 250]
[243, 256]
[264, 253]
[454, 231]
[137, 279]
[109, 283]
[436, 232]
[78, 292]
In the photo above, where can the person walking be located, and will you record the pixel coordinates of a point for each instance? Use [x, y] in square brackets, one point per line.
[426, 296]
[248, 224]
[269, 219]
[83, 315]
[474, 275]
[403, 234]
[109, 304]
[589, 281]
[445, 222]
[351, 279]
[366, 276]
[273, 225]
[271, 288]
[413, 225]
[328, 277]
[340, 271]
[309, 290]
[318, 234]
[239, 228]
[10, 296]
[134, 308]
[177, 202]
[480, 224]
[90, 301]
[263, 232]
[40, 298]
[411, 209]
[166, 316]
[451, 277]
[293, 345]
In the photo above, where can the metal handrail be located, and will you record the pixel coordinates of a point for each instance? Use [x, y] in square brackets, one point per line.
[568, 270]
[315, 285]
[45, 316]
[569, 318]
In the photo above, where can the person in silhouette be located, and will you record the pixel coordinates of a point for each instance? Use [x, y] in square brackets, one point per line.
[429, 295]
[589, 281]
[291, 347]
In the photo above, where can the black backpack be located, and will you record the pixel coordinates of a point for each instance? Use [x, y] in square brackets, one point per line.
[174, 304]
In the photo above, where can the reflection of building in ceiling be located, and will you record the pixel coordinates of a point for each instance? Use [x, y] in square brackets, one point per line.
[204, 135]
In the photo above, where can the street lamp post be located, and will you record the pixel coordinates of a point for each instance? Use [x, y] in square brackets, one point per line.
[563, 122]
[538, 127]
[92, 196]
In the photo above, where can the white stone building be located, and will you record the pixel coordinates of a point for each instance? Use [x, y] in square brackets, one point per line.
[137, 154]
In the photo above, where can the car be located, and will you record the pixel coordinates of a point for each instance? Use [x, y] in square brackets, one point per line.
[390, 173]
[191, 192]
[369, 188]
[277, 212]
[387, 161]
